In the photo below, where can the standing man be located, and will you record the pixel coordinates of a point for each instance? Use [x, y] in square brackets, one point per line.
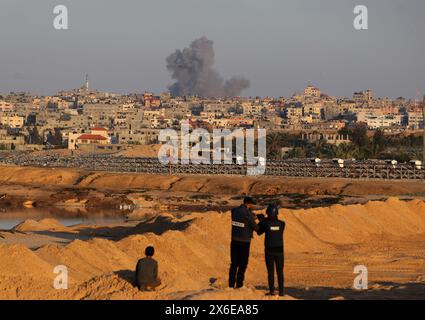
[273, 243]
[243, 225]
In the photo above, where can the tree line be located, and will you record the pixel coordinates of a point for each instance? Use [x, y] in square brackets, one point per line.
[362, 146]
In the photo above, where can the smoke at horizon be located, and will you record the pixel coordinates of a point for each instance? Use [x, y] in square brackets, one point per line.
[192, 68]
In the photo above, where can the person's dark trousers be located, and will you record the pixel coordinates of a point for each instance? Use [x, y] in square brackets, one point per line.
[239, 255]
[275, 259]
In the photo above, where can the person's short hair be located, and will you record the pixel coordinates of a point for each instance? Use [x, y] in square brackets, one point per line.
[272, 210]
[248, 200]
[149, 251]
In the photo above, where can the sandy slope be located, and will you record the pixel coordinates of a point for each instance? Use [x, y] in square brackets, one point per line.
[322, 247]
[73, 190]
[234, 185]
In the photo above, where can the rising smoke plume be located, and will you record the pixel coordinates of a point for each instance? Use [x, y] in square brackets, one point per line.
[192, 68]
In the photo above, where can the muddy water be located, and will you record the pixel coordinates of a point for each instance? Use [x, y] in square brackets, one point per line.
[73, 216]
[69, 216]
[11, 218]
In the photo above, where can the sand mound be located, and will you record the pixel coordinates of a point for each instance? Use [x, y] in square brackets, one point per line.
[23, 272]
[38, 176]
[75, 202]
[193, 252]
[29, 204]
[107, 287]
[40, 225]
[342, 225]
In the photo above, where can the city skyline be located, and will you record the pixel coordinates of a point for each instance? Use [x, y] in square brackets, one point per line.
[86, 85]
[279, 47]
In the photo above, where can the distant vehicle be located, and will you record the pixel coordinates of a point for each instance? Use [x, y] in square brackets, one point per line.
[239, 160]
[316, 161]
[339, 162]
[258, 160]
[416, 163]
[261, 161]
[392, 163]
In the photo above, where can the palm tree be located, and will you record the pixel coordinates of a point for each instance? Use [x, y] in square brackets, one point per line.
[274, 144]
[347, 151]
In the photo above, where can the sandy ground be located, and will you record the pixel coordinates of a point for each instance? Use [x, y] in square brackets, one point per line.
[322, 247]
[234, 185]
[23, 187]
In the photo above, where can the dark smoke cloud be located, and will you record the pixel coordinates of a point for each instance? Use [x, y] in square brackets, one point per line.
[192, 68]
[235, 86]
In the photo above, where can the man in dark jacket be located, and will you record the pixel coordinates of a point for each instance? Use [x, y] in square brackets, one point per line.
[273, 243]
[243, 225]
[147, 271]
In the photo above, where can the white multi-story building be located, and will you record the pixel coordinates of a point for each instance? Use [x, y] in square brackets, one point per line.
[415, 119]
[383, 121]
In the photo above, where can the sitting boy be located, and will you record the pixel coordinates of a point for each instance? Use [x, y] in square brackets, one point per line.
[147, 272]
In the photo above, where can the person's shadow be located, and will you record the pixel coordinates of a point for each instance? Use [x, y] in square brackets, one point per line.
[127, 275]
[380, 291]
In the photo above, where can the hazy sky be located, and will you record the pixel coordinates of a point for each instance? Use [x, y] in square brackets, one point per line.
[280, 45]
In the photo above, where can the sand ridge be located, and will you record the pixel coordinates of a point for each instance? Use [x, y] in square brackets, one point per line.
[59, 177]
[194, 251]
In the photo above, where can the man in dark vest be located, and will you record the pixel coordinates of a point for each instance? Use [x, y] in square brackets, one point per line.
[243, 225]
[273, 243]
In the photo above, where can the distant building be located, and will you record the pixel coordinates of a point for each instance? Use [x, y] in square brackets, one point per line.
[6, 106]
[415, 119]
[251, 109]
[151, 101]
[365, 96]
[144, 136]
[383, 121]
[293, 115]
[315, 109]
[96, 143]
[331, 137]
[312, 91]
[91, 139]
[97, 135]
[8, 142]
[100, 131]
[14, 121]
[72, 140]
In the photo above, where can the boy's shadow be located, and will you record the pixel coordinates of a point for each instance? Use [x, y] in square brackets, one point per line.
[127, 275]
[383, 291]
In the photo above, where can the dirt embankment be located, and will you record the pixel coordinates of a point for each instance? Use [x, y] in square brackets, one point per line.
[23, 187]
[220, 185]
[322, 247]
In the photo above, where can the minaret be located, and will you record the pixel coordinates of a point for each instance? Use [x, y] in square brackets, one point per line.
[86, 86]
